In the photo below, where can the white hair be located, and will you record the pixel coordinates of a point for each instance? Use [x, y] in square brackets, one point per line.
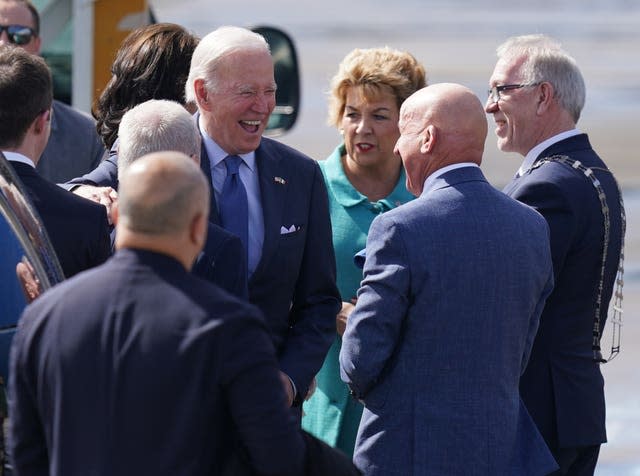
[545, 60]
[153, 126]
[214, 47]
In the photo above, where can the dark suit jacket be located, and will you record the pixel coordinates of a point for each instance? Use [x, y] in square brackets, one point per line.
[222, 260]
[138, 367]
[104, 175]
[78, 228]
[294, 283]
[562, 386]
[454, 284]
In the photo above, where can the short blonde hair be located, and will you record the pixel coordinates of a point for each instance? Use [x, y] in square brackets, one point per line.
[375, 70]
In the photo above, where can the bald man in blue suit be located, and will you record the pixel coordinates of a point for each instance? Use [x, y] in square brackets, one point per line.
[454, 284]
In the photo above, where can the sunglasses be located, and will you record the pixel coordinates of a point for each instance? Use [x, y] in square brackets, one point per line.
[18, 34]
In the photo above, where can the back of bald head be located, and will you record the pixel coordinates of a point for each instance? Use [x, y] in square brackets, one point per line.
[458, 115]
[161, 193]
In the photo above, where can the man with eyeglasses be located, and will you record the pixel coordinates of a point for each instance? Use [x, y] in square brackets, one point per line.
[536, 97]
[74, 147]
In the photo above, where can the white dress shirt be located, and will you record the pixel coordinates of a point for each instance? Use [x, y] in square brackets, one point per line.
[251, 181]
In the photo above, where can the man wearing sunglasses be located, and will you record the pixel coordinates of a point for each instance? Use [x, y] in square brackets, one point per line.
[74, 147]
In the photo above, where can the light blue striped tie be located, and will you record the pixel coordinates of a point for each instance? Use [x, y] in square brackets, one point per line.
[233, 206]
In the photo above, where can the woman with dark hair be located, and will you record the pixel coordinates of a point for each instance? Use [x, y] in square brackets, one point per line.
[152, 63]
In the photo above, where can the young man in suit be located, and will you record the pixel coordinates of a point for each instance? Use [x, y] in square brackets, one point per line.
[157, 369]
[536, 96]
[161, 125]
[74, 147]
[454, 284]
[78, 228]
[284, 217]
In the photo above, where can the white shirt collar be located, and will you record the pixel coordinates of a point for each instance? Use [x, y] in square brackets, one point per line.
[431, 178]
[533, 154]
[15, 157]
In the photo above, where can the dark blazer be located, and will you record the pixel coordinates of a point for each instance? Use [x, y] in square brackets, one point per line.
[78, 228]
[74, 146]
[138, 367]
[222, 260]
[104, 175]
[294, 283]
[562, 386]
[454, 284]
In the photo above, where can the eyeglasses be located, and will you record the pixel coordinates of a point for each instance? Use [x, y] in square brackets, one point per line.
[494, 92]
[18, 34]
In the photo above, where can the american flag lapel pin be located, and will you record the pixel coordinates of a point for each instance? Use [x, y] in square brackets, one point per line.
[279, 180]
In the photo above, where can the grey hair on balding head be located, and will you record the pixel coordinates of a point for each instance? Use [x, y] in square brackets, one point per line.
[161, 193]
[153, 126]
[216, 46]
[546, 61]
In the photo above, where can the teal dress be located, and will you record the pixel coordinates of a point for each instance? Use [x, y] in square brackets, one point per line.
[331, 413]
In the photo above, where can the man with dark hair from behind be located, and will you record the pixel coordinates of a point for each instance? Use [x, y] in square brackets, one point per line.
[77, 227]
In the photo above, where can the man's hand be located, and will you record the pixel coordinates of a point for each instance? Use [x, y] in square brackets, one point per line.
[288, 388]
[343, 316]
[103, 195]
[28, 280]
[312, 389]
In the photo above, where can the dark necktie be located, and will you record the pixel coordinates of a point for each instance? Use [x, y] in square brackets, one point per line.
[234, 208]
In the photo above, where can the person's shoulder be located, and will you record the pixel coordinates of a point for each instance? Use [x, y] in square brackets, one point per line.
[57, 297]
[283, 151]
[74, 202]
[217, 302]
[67, 114]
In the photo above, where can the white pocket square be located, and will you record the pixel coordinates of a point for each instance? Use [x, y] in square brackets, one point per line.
[292, 229]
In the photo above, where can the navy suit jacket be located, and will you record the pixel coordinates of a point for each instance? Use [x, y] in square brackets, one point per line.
[78, 228]
[138, 367]
[563, 387]
[222, 260]
[454, 284]
[294, 283]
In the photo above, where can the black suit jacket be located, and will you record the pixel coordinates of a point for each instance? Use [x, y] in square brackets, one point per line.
[294, 283]
[222, 259]
[138, 367]
[562, 386]
[78, 228]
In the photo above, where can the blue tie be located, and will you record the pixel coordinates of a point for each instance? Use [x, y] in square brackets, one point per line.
[234, 208]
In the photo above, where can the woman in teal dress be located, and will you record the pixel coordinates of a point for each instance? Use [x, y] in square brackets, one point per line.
[364, 178]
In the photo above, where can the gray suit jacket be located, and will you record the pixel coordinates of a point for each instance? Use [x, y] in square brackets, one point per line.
[454, 284]
[74, 147]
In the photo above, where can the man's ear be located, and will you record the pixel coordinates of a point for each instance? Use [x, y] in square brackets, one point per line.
[428, 139]
[41, 122]
[202, 94]
[198, 230]
[544, 96]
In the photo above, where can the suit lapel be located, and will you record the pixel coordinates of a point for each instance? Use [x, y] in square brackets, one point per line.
[568, 145]
[272, 193]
